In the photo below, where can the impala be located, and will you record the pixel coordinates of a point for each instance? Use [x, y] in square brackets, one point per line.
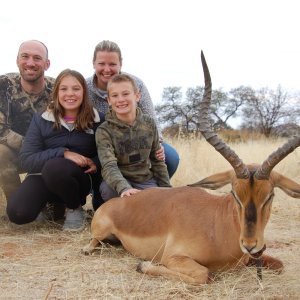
[186, 232]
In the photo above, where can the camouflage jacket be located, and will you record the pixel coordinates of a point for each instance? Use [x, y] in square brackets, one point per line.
[128, 152]
[17, 108]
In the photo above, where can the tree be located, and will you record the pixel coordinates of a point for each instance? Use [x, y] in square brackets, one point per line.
[262, 110]
[231, 104]
[169, 112]
[174, 110]
[267, 108]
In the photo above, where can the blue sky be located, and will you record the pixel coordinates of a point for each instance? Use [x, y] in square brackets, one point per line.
[245, 42]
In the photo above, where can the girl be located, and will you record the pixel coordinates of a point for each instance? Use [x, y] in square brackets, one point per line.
[59, 153]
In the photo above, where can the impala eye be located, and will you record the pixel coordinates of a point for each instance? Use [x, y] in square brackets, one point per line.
[236, 199]
[269, 200]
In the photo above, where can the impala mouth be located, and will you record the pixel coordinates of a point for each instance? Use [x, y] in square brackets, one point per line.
[258, 254]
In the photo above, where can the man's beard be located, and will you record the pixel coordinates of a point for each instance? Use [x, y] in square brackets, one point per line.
[31, 78]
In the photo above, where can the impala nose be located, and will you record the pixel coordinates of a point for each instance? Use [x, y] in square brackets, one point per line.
[249, 246]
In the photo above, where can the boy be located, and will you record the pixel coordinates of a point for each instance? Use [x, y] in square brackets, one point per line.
[126, 144]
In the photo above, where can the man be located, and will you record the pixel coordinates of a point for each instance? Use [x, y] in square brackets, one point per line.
[21, 95]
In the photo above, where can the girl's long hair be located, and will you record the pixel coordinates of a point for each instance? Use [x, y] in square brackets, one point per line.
[85, 117]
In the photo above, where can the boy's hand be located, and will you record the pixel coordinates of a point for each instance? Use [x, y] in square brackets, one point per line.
[129, 192]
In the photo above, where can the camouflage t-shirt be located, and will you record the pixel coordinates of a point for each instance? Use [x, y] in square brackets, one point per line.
[17, 107]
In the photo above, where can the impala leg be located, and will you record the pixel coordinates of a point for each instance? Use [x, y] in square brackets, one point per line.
[179, 268]
[89, 248]
[270, 263]
[101, 232]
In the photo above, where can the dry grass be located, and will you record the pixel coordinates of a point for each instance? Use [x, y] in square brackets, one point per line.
[41, 262]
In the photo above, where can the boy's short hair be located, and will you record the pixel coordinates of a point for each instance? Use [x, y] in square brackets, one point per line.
[122, 78]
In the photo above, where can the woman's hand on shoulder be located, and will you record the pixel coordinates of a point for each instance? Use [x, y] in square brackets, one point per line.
[160, 153]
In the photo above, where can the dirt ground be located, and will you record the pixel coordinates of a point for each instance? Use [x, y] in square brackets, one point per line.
[39, 261]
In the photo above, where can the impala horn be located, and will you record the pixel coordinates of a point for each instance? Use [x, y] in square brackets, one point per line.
[211, 137]
[265, 169]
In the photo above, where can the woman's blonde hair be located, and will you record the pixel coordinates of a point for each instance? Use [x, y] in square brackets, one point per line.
[107, 46]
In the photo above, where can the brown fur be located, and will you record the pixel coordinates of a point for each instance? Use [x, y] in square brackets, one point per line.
[190, 232]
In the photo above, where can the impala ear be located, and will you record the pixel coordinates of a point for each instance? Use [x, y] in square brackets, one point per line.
[288, 185]
[215, 181]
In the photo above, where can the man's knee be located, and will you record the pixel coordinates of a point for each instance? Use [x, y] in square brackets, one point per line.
[7, 156]
[9, 172]
[8, 162]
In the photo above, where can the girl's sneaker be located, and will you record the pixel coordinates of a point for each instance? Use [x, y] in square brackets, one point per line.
[75, 219]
